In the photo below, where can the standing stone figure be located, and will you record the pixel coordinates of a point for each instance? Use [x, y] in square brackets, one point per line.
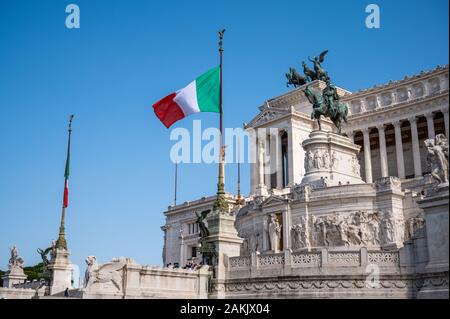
[297, 236]
[317, 160]
[438, 157]
[326, 159]
[334, 160]
[309, 161]
[274, 229]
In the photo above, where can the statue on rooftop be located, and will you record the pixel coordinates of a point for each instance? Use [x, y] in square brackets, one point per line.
[326, 103]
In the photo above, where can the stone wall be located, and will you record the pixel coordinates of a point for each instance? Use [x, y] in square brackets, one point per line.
[115, 280]
[330, 274]
[17, 293]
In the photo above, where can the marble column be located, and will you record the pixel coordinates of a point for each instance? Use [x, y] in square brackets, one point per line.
[430, 125]
[415, 147]
[274, 150]
[290, 157]
[286, 227]
[267, 162]
[383, 154]
[445, 113]
[261, 188]
[261, 162]
[367, 156]
[253, 156]
[280, 171]
[182, 247]
[399, 149]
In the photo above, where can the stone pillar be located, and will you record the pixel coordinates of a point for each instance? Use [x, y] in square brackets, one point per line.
[286, 227]
[280, 171]
[274, 150]
[253, 159]
[290, 157]
[295, 162]
[13, 276]
[430, 125]
[435, 206]
[261, 188]
[383, 154]
[223, 238]
[446, 123]
[182, 260]
[415, 147]
[61, 269]
[399, 150]
[268, 162]
[367, 156]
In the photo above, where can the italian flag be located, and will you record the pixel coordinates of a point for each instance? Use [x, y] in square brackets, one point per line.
[66, 180]
[201, 95]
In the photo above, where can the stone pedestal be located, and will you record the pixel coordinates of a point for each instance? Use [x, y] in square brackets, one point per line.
[61, 270]
[224, 238]
[261, 190]
[436, 205]
[13, 276]
[331, 160]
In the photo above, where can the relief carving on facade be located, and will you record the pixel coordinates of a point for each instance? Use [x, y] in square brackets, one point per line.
[356, 168]
[413, 226]
[321, 159]
[252, 243]
[354, 229]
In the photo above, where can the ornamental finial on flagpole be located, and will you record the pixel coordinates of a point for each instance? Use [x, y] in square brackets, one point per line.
[221, 39]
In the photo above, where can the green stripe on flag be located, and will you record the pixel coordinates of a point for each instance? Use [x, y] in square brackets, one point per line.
[208, 91]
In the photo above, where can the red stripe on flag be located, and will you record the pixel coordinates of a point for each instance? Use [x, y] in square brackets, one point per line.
[66, 194]
[168, 111]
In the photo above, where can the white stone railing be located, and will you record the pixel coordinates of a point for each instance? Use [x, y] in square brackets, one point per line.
[344, 258]
[306, 259]
[271, 260]
[239, 262]
[291, 262]
[383, 258]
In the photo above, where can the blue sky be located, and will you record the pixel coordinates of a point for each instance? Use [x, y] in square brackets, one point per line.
[129, 54]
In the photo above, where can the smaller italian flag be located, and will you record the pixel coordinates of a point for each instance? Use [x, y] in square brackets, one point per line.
[201, 95]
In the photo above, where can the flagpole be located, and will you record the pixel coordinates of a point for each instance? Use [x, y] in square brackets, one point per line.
[239, 200]
[61, 242]
[221, 204]
[176, 183]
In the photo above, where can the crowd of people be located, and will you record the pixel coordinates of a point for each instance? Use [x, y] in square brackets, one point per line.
[190, 265]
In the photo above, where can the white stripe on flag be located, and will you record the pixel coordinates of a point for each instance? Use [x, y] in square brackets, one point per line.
[187, 99]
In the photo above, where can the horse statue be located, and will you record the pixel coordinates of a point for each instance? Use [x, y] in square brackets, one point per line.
[310, 74]
[326, 106]
[294, 78]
